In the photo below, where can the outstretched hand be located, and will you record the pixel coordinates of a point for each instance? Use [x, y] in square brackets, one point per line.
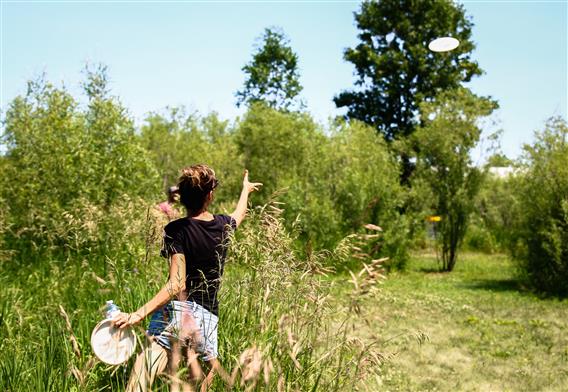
[250, 186]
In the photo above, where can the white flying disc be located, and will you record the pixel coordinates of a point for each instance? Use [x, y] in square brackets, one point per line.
[112, 345]
[444, 44]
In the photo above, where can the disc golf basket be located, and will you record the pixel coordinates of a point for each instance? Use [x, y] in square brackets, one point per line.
[432, 230]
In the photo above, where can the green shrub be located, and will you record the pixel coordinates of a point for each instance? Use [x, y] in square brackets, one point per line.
[479, 238]
[544, 209]
[363, 180]
[496, 215]
[278, 147]
[333, 182]
[59, 155]
[176, 140]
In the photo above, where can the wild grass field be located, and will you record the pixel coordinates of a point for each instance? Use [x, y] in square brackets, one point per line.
[474, 329]
[485, 332]
[275, 319]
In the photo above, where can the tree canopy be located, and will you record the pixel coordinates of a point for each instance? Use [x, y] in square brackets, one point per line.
[396, 70]
[272, 76]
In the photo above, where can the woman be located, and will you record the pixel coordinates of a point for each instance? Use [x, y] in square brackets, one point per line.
[196, 248]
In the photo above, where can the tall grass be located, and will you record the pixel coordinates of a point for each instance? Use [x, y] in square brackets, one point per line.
[279, 329]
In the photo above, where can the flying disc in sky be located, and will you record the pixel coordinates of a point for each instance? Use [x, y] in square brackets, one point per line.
[444, 44]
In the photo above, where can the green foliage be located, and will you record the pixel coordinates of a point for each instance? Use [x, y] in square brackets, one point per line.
[289, 153]
[4, 227]
[61, 157]
[168, 138]
[334, 182]
[362, 184]
[396, 70]
[444, 142]
[177, 140]
[91, 161]
[496, 215]
[479, 238]
[344, 177]
[499, 160]
[277, 146]
[272, 76]
[544, 209]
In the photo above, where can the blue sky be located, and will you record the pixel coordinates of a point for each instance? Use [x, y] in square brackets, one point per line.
[191, 53]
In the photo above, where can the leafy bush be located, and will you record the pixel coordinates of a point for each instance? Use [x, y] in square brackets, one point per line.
[278, 147]
[496, 215]
[177, 139]
[479, 238]
[4, 227]
[335, 182]
[544, 209]
[59, 155]
[75, 165]
[363, 182]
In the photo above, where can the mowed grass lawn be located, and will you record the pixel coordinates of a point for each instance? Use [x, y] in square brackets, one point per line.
[485, 332]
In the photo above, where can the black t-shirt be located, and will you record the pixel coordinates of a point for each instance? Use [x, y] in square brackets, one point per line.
[204, 245]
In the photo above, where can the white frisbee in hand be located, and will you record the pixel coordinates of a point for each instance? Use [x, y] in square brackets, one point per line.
[112, 345]
[444, 44]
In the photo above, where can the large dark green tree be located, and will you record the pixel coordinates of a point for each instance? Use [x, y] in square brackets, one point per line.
[272, 76]
[396, 70]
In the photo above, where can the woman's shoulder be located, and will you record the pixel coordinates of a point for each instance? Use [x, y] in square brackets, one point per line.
[176, 225]
[226, 220]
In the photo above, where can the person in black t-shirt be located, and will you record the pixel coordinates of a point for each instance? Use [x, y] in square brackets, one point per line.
[186, 308]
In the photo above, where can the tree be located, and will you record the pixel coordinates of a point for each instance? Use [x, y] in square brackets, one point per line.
[445, 140]
[498, 160]
[122, 165]
[272, 76]
[276, 145]
[332, 182]
[395, 69]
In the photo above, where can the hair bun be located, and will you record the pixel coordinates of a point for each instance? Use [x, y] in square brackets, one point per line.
[195, 182]
[190, 175]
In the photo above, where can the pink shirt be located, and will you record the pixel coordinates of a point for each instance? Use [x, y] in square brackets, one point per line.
[167, 209]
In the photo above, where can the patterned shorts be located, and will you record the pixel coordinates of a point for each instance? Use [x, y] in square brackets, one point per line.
[178, 320]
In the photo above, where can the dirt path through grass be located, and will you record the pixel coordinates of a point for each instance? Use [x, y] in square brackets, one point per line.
[485, 333]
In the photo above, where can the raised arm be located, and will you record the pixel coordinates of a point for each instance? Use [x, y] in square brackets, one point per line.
[241, 209]
[174, 285]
